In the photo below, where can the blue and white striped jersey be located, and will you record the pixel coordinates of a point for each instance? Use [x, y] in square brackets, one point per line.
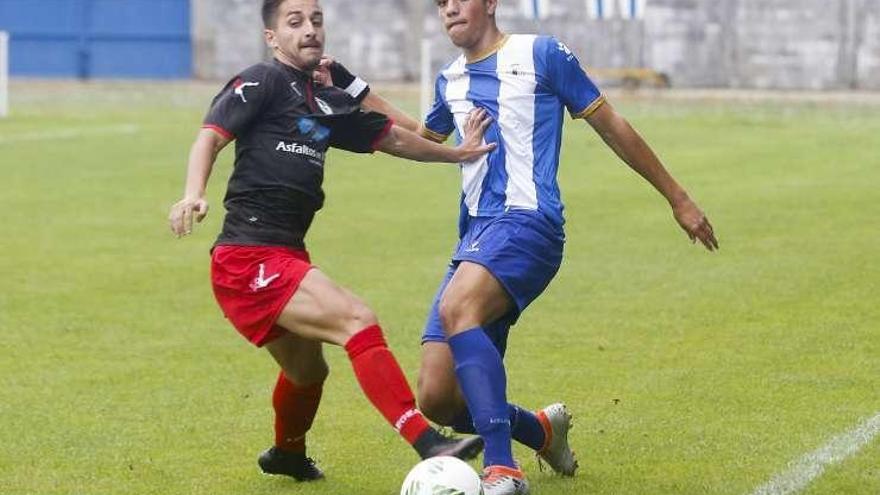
[524, 83]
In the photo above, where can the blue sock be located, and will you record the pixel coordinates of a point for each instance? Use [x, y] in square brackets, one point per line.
[524, 426]
[481, 375]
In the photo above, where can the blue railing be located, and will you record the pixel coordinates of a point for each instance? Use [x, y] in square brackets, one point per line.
[98, 38]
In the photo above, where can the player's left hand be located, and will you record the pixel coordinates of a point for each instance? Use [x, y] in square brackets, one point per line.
[695, 224]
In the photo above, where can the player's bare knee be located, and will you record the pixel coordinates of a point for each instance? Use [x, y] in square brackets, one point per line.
[456, 314]
[358, 317]
[448, 312]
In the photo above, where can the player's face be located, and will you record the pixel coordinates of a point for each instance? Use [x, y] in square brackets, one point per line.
[298, 36]
[466, 20]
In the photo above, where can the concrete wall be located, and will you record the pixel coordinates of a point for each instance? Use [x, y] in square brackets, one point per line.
[786, 44]
[227, 37]
[379, 38]
[812, 44]
[867, 64]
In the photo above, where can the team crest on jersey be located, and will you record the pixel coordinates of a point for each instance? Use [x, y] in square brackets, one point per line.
[239, 86]
[324, 106]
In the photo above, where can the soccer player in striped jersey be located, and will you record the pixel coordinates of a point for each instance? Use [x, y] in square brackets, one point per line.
[511, 225]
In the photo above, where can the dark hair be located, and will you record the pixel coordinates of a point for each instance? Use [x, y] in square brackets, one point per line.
[270, 12]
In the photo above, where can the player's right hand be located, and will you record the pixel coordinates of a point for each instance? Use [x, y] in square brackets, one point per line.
[694, 222]
[322, 75]
[180, 219]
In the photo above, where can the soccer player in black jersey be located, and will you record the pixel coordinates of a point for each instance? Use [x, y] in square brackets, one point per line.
[283, 125]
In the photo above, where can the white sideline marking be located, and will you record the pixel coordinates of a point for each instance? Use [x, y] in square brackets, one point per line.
[71, 133]
[809, 467]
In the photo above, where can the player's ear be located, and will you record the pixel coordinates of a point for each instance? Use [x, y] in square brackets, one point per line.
[491, 5]
[270, 38]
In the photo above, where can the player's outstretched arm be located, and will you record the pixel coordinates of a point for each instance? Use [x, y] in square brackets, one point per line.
[632, 149]
[373, 102]
[202, 155]
[332, 73]
[407, 144]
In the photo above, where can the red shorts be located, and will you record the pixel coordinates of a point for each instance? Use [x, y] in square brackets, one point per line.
[252, 284]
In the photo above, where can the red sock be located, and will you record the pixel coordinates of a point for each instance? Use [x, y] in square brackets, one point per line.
[384, 383]
[295, 408]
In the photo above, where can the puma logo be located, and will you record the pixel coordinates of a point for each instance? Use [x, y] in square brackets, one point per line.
[261, 282]
[239, 86]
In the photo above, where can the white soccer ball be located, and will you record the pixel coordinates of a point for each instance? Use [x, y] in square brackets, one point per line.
[442, 476]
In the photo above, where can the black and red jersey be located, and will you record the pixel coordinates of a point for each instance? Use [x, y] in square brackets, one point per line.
[283, 127]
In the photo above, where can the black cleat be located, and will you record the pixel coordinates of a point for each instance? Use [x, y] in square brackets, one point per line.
[293, 464]
[433, 444]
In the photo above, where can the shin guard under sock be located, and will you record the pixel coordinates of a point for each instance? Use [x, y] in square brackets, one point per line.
[295, 409]
[483, 381]
[384, 383]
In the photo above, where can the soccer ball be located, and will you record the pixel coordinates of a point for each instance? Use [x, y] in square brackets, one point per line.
[442, 476]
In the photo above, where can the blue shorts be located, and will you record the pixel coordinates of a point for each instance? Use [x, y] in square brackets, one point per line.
[522, 249]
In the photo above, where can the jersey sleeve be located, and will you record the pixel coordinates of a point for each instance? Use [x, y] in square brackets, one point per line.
[439, 123]
[343, 79]
[568, 80]
[234, 110]
[359, 132]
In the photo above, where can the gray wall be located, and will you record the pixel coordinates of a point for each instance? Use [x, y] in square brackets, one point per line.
[227, 36]
[785, 44]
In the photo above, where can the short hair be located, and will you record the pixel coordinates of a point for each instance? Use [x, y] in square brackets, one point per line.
[270, 12]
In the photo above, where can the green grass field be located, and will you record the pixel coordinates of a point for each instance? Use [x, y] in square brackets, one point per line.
[687, 372]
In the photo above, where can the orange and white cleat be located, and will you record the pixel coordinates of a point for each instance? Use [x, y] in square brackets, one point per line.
[503, 480]
[556, 452]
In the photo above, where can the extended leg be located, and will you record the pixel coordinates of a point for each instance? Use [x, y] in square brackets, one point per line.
[323, 311]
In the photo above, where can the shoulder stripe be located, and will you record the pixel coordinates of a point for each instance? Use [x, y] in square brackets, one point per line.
[517, 121]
